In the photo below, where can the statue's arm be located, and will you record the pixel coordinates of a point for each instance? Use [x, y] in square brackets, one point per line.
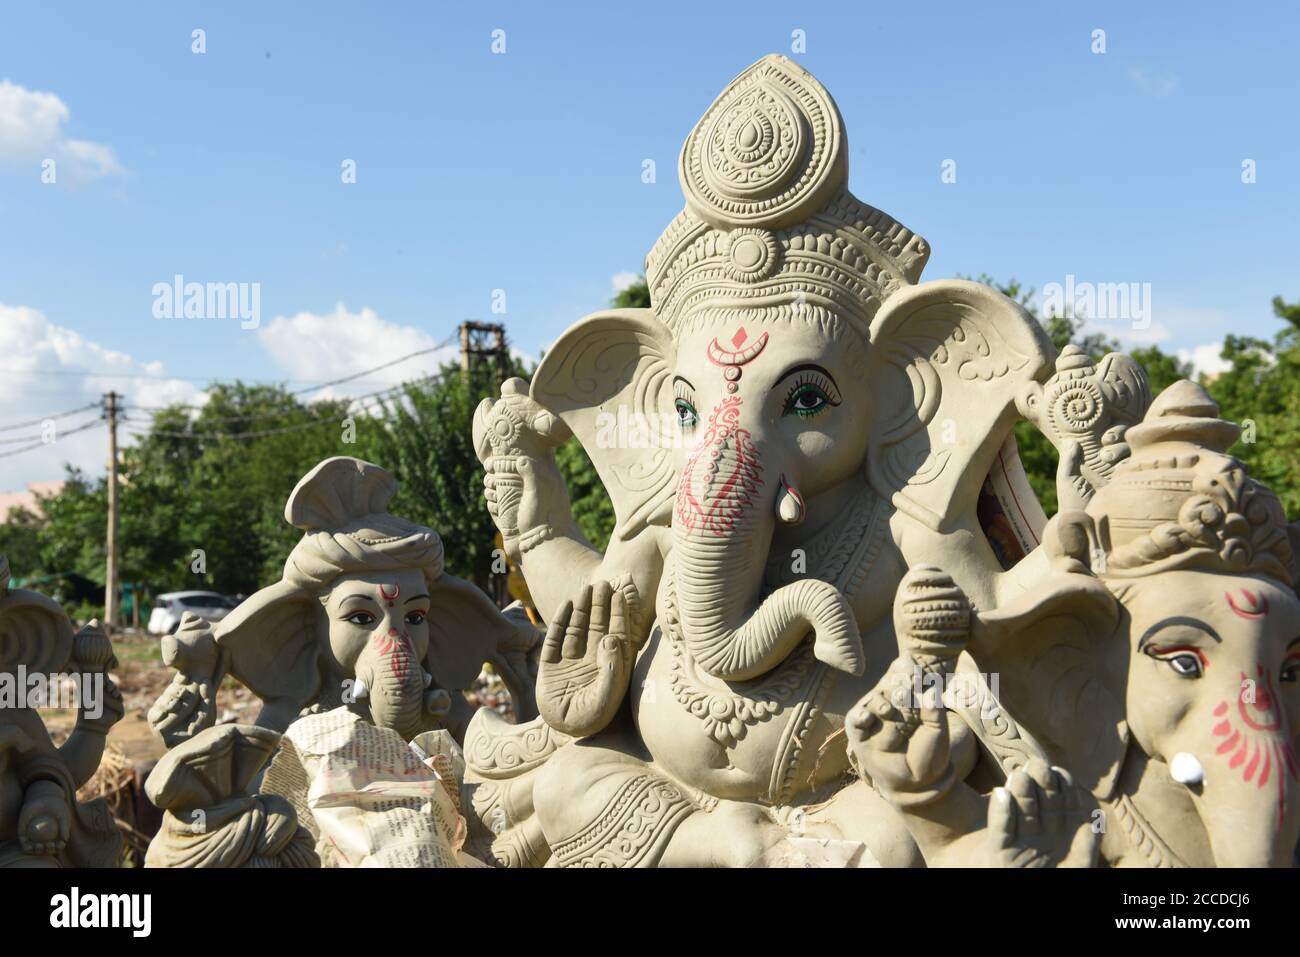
[515, 438]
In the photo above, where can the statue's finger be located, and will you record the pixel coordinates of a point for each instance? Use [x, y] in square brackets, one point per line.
[618, 614]
[1083, 849]
[1002, 819]
[1025, 794]
[1052, 809]
[575, 637]
[601, 594]
[555, 634]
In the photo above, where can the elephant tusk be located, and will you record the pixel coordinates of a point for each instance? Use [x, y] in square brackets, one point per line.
[428, 679]
[1186, 769]
[359, 689]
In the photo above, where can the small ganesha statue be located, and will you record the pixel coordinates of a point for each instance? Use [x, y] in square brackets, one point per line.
[42, 823]
[365, 617]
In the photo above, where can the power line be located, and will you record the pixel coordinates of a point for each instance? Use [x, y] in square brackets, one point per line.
[216, 380]
[348, 378]
[259, 416]
[63, 435]
[46, 418]
[390, 392]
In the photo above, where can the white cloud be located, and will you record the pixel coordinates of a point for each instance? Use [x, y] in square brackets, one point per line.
[621, 280]
[1205, 358]
[32, 130]
[1153, 84]
[310, 346]
[46, 369]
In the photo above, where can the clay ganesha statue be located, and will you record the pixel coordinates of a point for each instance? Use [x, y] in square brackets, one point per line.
[792, 424]
[41, 821]
[364, 617]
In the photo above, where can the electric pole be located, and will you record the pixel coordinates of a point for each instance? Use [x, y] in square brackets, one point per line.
[110, 574]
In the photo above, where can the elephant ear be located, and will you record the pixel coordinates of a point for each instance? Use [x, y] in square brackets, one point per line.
[949, 358]
[35, 632]
[466, 629]
[273, 645]
[1060, 664]
[608, 377]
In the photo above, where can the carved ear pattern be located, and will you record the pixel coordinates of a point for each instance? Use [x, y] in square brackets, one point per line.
[950, 357]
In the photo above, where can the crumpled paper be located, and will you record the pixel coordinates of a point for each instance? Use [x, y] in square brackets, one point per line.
[369, 798]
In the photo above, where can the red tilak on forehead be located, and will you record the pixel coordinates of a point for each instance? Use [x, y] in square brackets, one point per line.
[397, 591]
[739, 354]
[1254, 606]
[732, 359]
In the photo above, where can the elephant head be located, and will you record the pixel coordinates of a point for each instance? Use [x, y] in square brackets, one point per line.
[1159, 661]
[365, 615]
[787, 359]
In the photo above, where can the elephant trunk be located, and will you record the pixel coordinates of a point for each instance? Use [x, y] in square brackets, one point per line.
[721, 543]
[394, 681]
[1252, 819]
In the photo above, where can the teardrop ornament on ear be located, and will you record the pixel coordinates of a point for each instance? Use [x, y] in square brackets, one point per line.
[790, 508]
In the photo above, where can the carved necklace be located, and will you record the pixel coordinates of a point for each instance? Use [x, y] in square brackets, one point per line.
[1140, 834]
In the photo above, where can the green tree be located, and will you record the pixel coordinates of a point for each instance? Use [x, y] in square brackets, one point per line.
[1261, 390]
[635, 296]
[426, 439]
[203, 500]
[20, 542]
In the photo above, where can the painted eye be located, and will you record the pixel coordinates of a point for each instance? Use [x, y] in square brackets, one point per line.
[1185, 665]
[686, 414]
[1290, 670]
[808, 398]
[416, 617]
[362, 618]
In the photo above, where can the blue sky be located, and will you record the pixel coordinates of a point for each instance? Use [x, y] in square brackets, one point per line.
[522, 171]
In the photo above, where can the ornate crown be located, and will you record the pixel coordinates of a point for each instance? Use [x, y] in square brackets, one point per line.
[769, 218]
[1181, 499]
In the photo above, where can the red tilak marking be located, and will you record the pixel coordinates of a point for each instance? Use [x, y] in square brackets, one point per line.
[737, 356]
[1256, 605]
[397, 591]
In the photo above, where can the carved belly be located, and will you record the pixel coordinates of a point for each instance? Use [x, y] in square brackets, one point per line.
[739, 740]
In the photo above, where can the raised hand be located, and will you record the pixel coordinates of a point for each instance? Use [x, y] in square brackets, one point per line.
[189, 703]
[1039, 819]
[587, 659]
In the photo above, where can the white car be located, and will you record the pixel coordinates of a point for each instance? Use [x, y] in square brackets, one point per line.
[168, 608]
